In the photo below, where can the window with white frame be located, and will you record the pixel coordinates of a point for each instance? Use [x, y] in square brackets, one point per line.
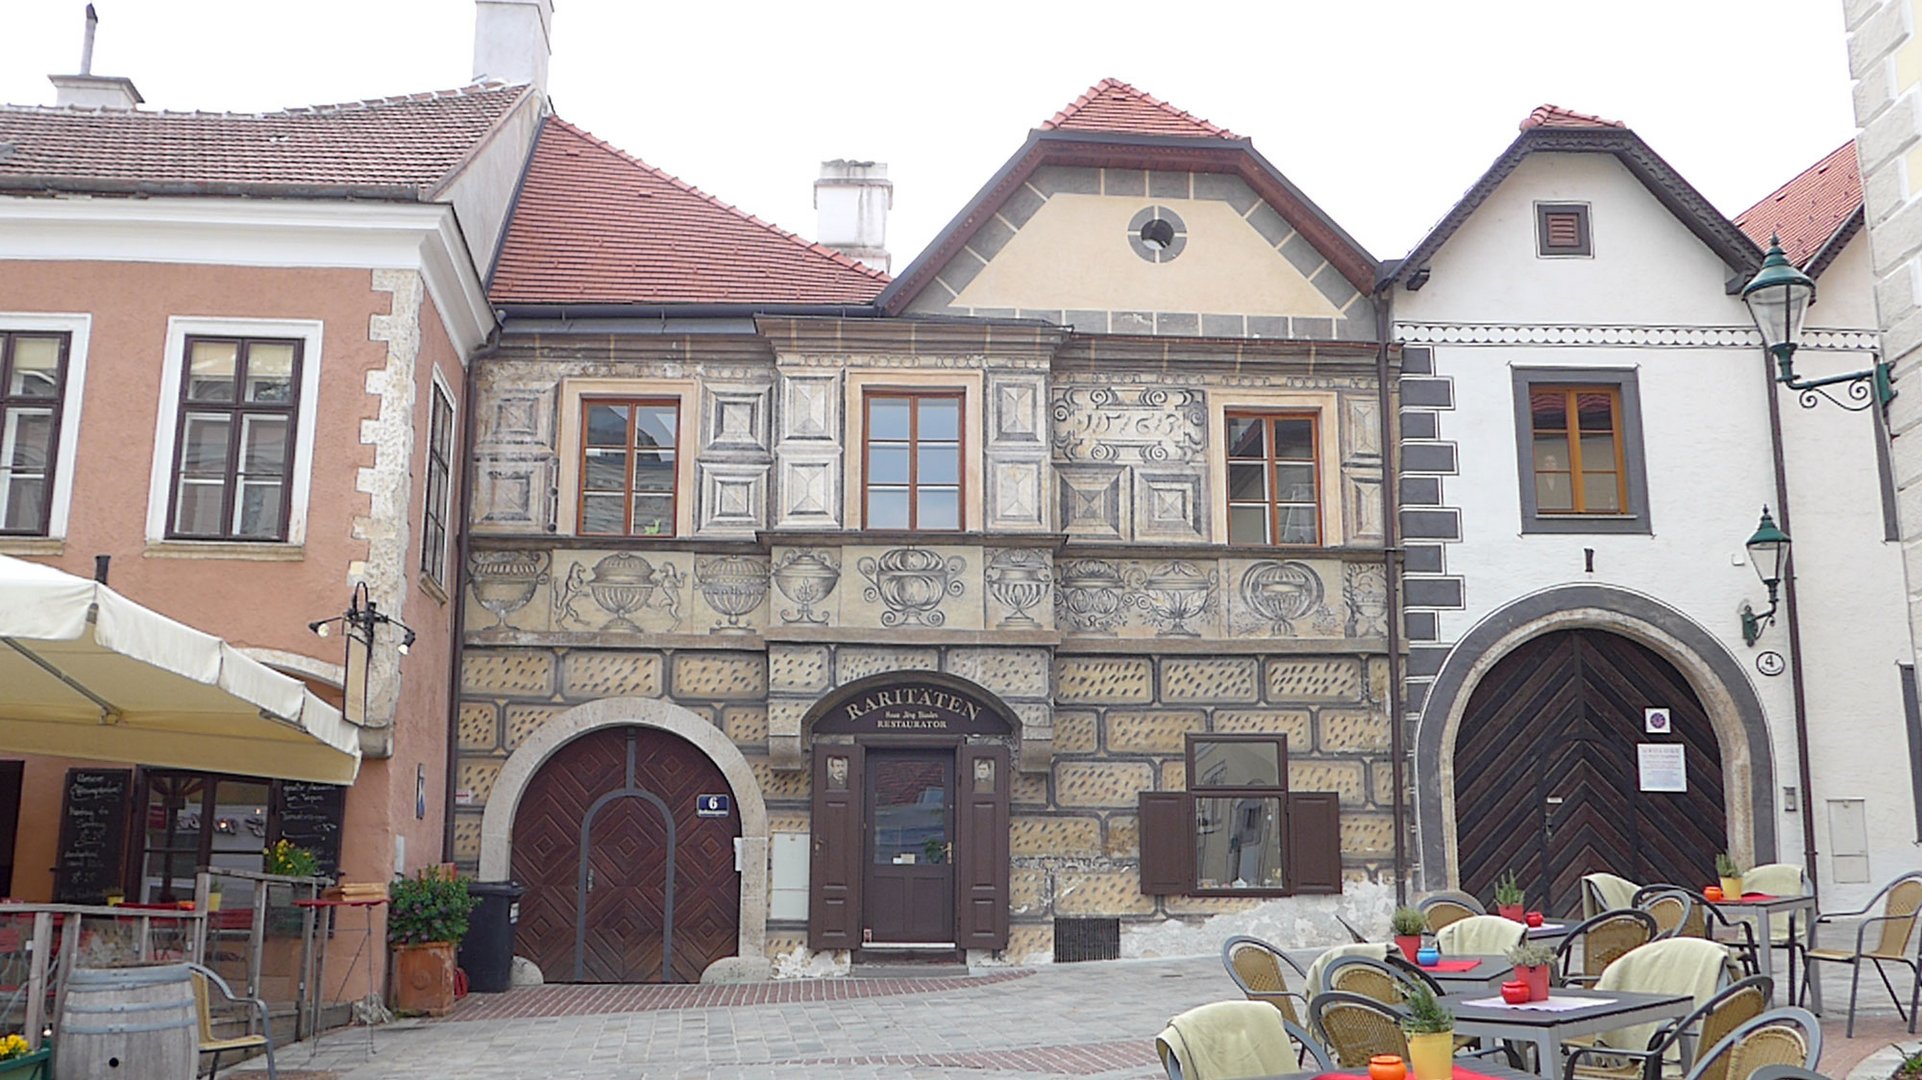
[440, 455]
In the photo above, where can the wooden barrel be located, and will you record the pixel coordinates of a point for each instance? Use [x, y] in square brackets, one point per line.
[132, 1023]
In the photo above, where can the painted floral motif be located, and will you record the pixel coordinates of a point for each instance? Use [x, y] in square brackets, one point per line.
[1091, 596]
[1174, 594]
[1365, 593]
[910, 583]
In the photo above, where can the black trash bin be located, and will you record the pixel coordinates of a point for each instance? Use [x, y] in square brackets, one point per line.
[487, 952]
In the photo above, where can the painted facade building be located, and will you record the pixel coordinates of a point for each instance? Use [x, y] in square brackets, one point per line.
[1587, 426]
[1015, 607]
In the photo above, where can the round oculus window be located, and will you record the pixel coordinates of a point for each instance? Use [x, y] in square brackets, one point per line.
[1157, 234]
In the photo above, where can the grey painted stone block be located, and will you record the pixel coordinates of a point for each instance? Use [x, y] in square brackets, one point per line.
[1055, 179]
[1422, 625]
[1271, 225]
[1087, 322]
[960, 270]
[1224, 325]
[1431, 524]
[1296, 249]
[1420, 425]
[1124, 182]
[1230, 189]
[1430, 393]
[1313, 328]
[1426, 661]
[1021, 205]
[1428, 457]
[1421, 491]
[1423, 558]
[1168, 185]
[990, 238]
[1417, 360]
[1268, 326]
[1338, 289]
[1177, 323]
[1433, 592]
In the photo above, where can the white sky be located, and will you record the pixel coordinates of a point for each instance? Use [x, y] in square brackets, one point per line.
[1382, 111]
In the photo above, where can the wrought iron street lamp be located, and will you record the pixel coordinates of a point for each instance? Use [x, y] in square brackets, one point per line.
[1768, 552]
[358, 625]
[1778, 297]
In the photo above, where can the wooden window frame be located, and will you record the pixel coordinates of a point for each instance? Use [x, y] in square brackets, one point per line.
[236, 410]
[1268, 417]
[437, 498]
[630, 402]
[57, 403]
[134, 874]
[915, 395]
[1572, 435]
[1278, 792]
[1585, 244]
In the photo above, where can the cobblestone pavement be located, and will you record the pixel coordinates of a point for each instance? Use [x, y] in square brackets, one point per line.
[1094, 1020]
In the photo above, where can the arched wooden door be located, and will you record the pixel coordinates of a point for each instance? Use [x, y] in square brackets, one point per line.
[1547, 780]
[624, 880]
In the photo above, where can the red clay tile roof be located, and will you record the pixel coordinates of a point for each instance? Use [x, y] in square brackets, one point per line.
[406, 146]
[1807, 210]
[1557, 117]
[596, 225]
[1114, 107]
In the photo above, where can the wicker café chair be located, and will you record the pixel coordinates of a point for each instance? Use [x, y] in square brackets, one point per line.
[1714, 1021]
[1786, 1036]
[1602, 940]
[1700, 918]
[1443, 908]
[1260, 972]
[1263, 1037]
[1370, 978]
[1354, 1028]
[1883, 939]
[1786, 1072]
[1674, 913]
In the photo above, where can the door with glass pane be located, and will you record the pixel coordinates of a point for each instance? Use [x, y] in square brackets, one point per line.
[909, 891]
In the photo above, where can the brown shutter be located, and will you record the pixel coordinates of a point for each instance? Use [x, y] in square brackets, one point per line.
[981, 871]
[834, 870]
[1564, 231]
[1167, 829]
[1314, 842]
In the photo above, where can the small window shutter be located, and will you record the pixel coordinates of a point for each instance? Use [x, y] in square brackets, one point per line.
[1314, 841]
[1167, 829]
[1564, 231]
[981, 876]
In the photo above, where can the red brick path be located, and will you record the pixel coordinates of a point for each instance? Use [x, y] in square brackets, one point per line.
[1076, 1059]
[584, 1000]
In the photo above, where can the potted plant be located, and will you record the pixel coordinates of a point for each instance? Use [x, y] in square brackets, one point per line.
[213, 895]
[286, 859]
[1531, 962]
[426, 918]
[1727, 869]
[1408, 925]
[1431, 1036]
[1508, 897]
[19, 1059]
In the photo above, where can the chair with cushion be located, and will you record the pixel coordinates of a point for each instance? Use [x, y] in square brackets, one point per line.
[1606, 892]
[1480, 935]
[1704, 919]
[1235, 1040]
[1602, 940]
[1781, 879]
[1442, 908]
[1690, 966]
[1785, 1036]
[1260, 971]
[206, 981]
[1355, 1028]
[1311, 983]
[1887, 938]
[1709, 1024]
[1368, 977]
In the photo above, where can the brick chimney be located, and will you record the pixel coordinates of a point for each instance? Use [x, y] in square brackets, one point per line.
[512, 40]
[851, 203]
[87, 90]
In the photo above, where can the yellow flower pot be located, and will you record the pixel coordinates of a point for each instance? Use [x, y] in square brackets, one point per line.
[1432, 1056]
[1731, 888]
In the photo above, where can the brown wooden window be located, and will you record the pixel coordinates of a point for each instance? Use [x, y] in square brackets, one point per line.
[1562, 229]
[630, 450]
[234, 448]
[1274, 478]
[1578, 456]
[33, 372]
[1237, 828]
[440, 456]
[911, 476]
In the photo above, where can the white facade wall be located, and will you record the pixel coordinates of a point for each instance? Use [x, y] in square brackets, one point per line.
[1709, 470]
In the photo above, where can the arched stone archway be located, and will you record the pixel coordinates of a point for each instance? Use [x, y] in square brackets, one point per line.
[497, 821]
[1733, 709]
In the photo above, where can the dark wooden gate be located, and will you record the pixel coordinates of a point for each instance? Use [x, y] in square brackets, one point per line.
[624, 881]
[1546, 777]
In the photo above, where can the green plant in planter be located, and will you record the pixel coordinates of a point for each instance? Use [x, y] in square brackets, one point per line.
[1425, 1014]
[1508, 891]
[1909, 1069]
[1407, 922]
[289, 859]
[430, 906]
[1531, 954]
[1726, 866]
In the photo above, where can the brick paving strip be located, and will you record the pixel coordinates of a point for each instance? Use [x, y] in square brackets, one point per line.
[601, 999]
[1072, 1059]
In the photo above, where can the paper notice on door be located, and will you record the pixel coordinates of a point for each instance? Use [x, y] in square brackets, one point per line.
[1662, 766]
[906, 858]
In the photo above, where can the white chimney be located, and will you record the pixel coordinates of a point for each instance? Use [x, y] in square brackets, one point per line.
[87, 90]
[851, 202]
[512, 40]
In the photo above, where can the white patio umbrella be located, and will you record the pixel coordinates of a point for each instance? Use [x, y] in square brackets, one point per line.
[87, 673]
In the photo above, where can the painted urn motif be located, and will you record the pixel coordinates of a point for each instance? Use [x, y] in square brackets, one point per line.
[807, 577]
[504, 581]
[1018, 579]
[1090, 596]
[733, 585]
[1175, 593]
[622, 585]
[911, 583]
[1280, 593]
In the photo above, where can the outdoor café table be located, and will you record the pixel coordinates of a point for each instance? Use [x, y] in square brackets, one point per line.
[1484, 973]
[1545, 1024]
[1550, 933]
[326, 911]
[1755, 909]
[1463, 1071]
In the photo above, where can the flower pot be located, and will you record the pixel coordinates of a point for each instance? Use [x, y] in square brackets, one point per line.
[1713, 894]
[1432, 1055]
[1512, 911]
[424, 978]
[1387, 1067]
[1427, 956]
[1732, 888]
[27, 1065]
[1536, 979]
[213, 902]
[1410, 945]
[1534, 918]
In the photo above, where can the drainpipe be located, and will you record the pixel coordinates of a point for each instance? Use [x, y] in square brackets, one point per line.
[457, 584]
[1793, 619]
[1391, 573]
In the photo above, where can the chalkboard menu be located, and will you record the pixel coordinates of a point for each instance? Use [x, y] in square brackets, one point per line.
[310, 817]
[93, 835]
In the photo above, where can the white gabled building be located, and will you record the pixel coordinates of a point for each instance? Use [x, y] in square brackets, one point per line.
[1589, 437]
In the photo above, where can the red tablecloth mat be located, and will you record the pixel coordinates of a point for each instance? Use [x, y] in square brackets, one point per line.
[1756, 898]
[1451, 966]
[1460, 1074]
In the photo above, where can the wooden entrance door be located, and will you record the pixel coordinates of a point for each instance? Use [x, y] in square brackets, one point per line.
[908, 895]
[624, 881]
[1546, 778]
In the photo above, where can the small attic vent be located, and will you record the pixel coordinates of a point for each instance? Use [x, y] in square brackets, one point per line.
[1561, 229]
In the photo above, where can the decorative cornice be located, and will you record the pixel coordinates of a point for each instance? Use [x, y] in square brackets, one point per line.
[1616, 335]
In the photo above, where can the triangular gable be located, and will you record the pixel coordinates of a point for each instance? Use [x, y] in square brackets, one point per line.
[1552, 129]
[1815, 214]
[1113, 159]
[593, 224]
